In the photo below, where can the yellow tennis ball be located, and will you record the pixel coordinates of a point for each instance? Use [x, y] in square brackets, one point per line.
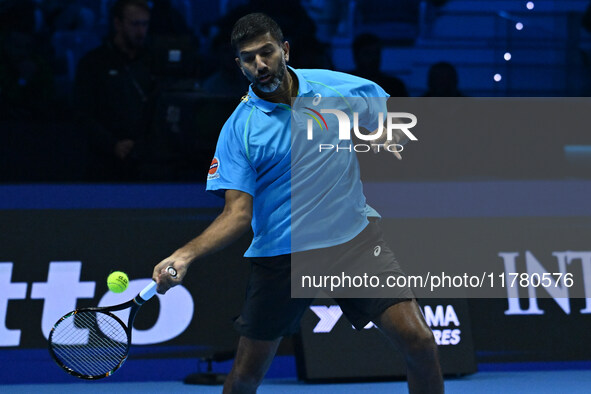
[117, 281]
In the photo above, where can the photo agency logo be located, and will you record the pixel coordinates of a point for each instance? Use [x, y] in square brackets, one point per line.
[382, 138]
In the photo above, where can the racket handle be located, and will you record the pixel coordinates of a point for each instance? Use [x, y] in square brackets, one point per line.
[148, 291]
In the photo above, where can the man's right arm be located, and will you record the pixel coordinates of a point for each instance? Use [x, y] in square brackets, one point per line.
[225, 229]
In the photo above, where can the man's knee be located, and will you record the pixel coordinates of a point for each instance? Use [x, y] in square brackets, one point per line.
[419, 344]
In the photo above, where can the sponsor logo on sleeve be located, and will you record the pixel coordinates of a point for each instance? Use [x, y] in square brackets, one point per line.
[214, 169]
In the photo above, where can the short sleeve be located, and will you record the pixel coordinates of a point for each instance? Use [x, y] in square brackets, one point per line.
[230, 168]
[376, 100]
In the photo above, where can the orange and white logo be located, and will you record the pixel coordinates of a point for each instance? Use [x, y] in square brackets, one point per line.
[213, 169]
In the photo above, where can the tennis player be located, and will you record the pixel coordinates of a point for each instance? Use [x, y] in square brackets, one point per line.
[252, 170]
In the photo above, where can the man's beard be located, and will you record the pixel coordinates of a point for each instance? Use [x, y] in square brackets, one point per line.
[273, 84]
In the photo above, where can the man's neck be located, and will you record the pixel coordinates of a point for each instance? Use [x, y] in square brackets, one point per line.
[286, 90]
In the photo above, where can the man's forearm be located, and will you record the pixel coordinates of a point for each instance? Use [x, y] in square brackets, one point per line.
[224, 230]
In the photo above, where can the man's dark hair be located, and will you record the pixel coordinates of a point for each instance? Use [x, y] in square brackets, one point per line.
[118, 9]
[254, 25]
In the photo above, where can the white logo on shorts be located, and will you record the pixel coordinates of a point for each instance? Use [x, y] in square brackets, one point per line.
[377, 250]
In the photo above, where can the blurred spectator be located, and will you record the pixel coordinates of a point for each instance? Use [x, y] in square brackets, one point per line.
[297, 26]
[115, 92]
[65, 15]
[442, 81]
[227, 81]
[311, 53]
[332, 17]
[174, 46]
[367, 54]
[167, 20]
[299, 29]
[26, 79]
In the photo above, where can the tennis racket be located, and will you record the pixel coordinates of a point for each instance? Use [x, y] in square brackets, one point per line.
[92, 343]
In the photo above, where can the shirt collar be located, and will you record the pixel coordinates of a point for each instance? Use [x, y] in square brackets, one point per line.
[267, 106]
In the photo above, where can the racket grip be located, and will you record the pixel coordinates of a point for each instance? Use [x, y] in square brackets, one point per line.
[148, 291]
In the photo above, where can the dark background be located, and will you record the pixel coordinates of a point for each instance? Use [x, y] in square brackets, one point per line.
[550, 58]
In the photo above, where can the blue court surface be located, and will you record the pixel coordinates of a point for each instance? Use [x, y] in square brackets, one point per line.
[32, 371]
[557, 381]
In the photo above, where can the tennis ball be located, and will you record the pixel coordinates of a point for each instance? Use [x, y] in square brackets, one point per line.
[117, 281]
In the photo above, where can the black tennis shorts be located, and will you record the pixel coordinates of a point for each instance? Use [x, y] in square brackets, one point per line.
[269, 311]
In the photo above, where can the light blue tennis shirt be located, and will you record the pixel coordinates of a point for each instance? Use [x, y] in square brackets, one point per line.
[320, 203]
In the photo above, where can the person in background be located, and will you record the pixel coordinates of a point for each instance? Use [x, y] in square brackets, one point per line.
[26, 78]
[167, 20]
[115, 92]
[67, 15]
[367, 54]
[297, 26]
[227, 80]
[442, 81]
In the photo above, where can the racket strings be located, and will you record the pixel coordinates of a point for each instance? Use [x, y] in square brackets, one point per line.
[90, 343]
